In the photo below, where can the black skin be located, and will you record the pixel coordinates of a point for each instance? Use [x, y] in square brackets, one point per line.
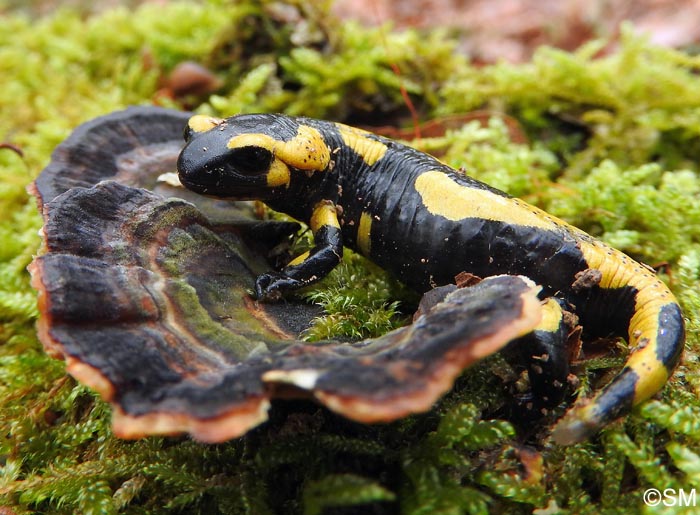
[322, 258]
[380, 210]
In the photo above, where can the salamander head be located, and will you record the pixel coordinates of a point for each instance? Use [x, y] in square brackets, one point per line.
[249, 156]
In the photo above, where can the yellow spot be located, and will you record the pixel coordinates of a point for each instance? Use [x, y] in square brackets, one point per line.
[655, 376]
[360, 141]
[299, 259]
[442, 196]
[551, 316]
[324, 214]
[363, 234]
[202, 123]
[278, 174]
[306, 151]
[254, 139]
[619, 270]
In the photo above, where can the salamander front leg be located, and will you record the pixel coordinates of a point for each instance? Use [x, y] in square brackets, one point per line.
[311, 266]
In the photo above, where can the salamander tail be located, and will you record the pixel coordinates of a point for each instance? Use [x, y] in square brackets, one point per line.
[657, 334]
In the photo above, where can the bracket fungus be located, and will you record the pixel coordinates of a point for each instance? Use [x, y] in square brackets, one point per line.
[143, 290]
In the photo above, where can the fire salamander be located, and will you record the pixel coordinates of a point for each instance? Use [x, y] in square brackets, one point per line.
[426, 222]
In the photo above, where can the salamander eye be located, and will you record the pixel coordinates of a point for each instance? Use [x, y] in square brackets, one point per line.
[250, 160]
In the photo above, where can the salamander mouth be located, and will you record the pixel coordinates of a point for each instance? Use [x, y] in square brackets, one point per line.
[216, 176]
[214, 190]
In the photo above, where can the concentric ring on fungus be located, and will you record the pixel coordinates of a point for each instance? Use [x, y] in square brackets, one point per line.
[145, 296]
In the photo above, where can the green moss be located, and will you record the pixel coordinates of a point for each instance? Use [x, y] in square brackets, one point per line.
[634, 102]
[359, 300]
[612, 147]
[342, 490]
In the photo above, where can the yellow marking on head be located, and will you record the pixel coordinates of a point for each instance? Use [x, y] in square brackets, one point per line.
[551, 316]
[252, 139]
[299, 259]
[364, 229]
[324, 214]
[278, 174]
[444, 197]
[202, 123]
[360, 141]
[306, 151]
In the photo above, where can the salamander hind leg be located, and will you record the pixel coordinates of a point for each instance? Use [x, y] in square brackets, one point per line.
[545, 355]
